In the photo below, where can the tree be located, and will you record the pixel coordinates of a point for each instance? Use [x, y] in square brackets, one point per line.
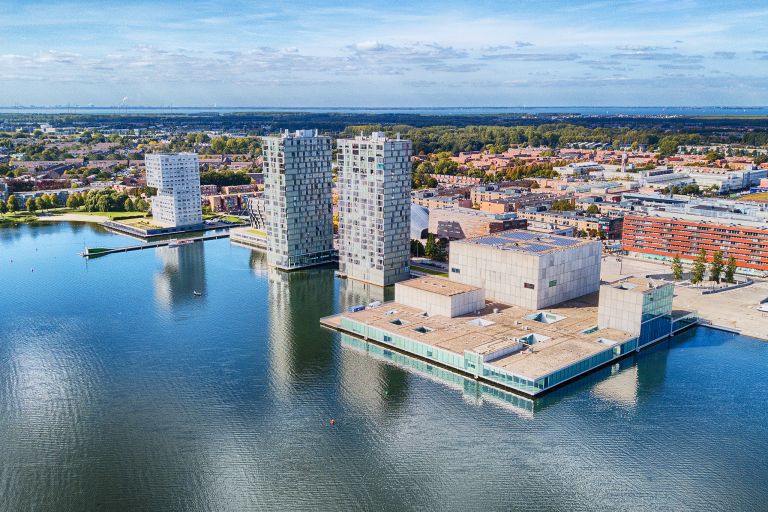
[3, 207]
[417, 248]
[677, 268]
[716, 267]
[128, 205]
[11, 203]
[431, 247]
[74, 200]
[593, 209]
[53, 200]
[41, 203]
[562, 205]
[730, 269]
[668, 146]
[699, 267]
[441, 254]
[31, 205]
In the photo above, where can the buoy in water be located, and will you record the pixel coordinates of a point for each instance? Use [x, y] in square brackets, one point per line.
[333, 421]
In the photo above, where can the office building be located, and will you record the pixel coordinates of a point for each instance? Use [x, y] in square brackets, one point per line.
[298, 205]
[177, 180]
[374, 184]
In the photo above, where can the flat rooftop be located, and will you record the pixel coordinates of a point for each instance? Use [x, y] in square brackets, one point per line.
[635, 284]
[568, 340]
[525, 242]
[440, 286]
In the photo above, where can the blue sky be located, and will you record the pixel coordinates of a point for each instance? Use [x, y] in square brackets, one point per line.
[479, 53]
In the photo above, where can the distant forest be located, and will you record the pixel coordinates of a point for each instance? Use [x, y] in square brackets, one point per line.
[431, 132]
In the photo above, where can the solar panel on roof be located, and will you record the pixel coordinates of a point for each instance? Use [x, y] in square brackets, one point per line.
[495, 241]
[563, 242]
[535, 247]
[519, 235]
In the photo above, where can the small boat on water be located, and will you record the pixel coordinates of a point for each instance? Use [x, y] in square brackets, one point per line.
[173, 242]
[197, 293]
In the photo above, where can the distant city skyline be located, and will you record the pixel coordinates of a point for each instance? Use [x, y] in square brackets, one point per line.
[394, 54]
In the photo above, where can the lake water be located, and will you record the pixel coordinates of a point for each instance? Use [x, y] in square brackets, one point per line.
[583, 110]
[121, 390]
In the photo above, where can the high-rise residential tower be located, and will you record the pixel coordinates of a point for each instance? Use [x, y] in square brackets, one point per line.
[298, 204]
[374, 186]
[177, 180]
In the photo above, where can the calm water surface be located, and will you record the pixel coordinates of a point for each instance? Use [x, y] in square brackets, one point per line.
[120, 390]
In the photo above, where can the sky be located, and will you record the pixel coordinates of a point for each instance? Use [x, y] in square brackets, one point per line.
[384, 54]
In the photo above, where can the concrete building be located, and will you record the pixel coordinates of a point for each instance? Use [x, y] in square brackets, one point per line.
[438, 296]
[298, 205]
[459, 223]
[374, 184]
[592, 225]
[177, 180]
[726, 180]
[257, 212]
[634, 306]
[527, 269]
[525, 350]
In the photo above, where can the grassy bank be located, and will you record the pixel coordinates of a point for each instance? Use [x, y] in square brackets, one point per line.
[427, 270]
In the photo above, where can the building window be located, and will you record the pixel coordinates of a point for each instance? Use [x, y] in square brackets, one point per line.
[455, 270]
[528, 285]
[553, 283]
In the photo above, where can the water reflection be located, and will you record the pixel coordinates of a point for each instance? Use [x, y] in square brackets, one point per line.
[618, 384]
[299, 349]
[258, 262]
[472, 391]
[182, 274]
[351, 293]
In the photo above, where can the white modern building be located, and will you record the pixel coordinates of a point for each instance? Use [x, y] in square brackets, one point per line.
[439, 296]
[374, 185]
[531, 270]
[298, 207]
[177, 180]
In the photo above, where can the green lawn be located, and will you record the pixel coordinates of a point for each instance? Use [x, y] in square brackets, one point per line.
[256, 232]
[17, 218]
[230, 218]
[760, 196]
[428, 270]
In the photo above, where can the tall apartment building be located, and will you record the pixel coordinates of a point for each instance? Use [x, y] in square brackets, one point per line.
[374, 185]
[298, 208]
[177, 180]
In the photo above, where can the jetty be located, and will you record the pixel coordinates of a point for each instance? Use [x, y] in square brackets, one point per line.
[93, 252]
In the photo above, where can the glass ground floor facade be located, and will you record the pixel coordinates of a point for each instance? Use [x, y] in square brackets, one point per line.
[472, 363]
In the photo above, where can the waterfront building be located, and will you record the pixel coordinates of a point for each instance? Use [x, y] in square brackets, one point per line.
[638, 307]
[177, 180]
[298, 205]
[531, 270]
[374, 184]
[257, 212]
[526, 350]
